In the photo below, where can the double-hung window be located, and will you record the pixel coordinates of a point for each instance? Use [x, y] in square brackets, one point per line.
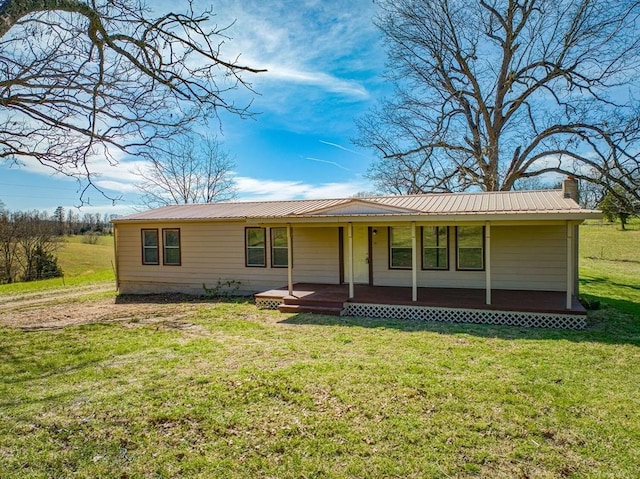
[400, 247]
[279, 248]
[255, 246]
[171, 246]
[470, 245]
[435, 247]
[150, 247]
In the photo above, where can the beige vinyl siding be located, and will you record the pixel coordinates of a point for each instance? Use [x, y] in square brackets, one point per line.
[216, 251]
[529, 257]
[316, 255]
[210, 252]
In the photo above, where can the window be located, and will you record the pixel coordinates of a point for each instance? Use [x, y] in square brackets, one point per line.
[470, 242]
[171, 247]
[435, 247]
[255, 243]
[150, 247]
[400, 247]
[279, 249]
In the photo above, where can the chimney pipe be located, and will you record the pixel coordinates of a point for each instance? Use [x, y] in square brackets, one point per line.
[570, 188]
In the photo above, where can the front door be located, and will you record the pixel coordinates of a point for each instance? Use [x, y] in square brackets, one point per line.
[360, 255]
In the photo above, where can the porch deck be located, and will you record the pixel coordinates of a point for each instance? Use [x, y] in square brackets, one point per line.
[501, 299]
[510, 307]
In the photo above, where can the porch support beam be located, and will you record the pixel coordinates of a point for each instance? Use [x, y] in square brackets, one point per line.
[487, 256]
[350, 248]
[289, 260]
[570, 269]
[414, 263]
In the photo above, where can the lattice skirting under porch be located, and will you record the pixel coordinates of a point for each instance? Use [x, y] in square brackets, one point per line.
[478, 316]
[268, 303]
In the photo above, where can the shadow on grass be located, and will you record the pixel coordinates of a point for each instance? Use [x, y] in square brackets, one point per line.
[177, 298]
[613, 324]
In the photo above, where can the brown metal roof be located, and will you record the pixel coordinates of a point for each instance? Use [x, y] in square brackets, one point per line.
[488, 203]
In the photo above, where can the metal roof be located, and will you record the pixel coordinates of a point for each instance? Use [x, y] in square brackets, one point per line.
[435, 204]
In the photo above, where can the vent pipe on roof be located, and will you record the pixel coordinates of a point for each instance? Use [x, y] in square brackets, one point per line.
[570, 188]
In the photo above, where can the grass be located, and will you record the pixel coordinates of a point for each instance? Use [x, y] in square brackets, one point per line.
[81, 263]
[235, 392]
[610, 265]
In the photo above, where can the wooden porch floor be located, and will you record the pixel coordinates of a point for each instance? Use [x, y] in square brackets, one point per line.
[502, 300]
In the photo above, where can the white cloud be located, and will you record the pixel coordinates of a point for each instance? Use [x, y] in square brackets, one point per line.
[270, 190]
[329, 83]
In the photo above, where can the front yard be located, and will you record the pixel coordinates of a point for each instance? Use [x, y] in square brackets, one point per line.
[92, 385]
[174, 388]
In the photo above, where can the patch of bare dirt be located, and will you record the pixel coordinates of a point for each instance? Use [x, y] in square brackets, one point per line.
[52, 311]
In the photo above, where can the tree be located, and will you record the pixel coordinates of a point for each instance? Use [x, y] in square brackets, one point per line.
[87, 78]
[191, 170]
[59, 219]
[27, 245]
[489, 93]
[618, 203]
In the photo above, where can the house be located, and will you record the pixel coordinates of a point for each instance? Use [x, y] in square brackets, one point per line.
[491, 257]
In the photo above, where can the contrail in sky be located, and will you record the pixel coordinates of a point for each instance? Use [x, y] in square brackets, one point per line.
[329, 163]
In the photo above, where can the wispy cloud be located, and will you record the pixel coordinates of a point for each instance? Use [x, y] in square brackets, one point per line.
[269, 190]
[326, 82]
[328, 162]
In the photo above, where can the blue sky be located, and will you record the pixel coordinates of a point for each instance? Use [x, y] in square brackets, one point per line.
[325, 62]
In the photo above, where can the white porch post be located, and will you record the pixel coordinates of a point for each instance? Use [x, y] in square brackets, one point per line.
[289, 261]
[350, 233]
[487, 255]
[570, 269]
[414, 263]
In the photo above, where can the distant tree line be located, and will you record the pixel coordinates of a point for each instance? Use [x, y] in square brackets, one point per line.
[29, 240]
[72, 223]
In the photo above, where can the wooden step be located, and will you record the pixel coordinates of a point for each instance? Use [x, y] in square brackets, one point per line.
[319, 308]
[306, 301]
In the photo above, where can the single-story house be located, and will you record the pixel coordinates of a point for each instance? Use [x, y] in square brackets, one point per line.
[491, 257]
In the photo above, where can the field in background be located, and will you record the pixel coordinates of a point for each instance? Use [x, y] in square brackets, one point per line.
[81, 263]
[171, 387]
[610, 265]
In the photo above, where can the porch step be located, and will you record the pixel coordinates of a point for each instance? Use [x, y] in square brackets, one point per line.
[330, 309]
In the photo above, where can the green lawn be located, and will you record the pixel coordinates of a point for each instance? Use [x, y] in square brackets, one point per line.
[234, 392]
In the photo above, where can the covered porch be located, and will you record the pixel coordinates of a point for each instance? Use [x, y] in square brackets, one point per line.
[509, 307]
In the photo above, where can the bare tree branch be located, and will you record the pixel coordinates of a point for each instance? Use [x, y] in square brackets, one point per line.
[192, 169]
[86, 78]
[491, 92]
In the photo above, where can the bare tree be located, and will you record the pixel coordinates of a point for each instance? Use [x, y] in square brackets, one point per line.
[27, 245]
[190, 170]
[82, 78]
[9, 231]
[489, 93]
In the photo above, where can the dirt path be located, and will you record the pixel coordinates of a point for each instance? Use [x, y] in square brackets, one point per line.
[20, 300]
[58, 308]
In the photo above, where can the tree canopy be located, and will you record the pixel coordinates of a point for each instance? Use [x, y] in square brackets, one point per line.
[82, 78]
[492, 93]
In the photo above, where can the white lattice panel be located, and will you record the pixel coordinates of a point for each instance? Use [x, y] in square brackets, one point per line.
[478, 316]
[268, 303]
